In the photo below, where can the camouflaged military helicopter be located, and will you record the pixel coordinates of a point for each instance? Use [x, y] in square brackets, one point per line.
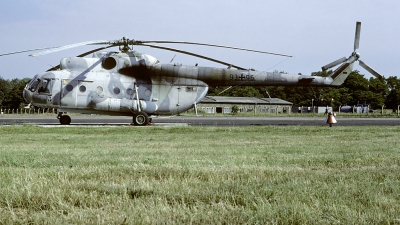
[134, 84]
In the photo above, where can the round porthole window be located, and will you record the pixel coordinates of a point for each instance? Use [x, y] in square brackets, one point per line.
[99, 89]
[117, 90]
[129, 91]
[147, 93]
[82, 88]
[69, 87]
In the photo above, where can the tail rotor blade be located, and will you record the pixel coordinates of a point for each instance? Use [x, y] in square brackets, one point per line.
[369, 69]
[357, 36]
[334, 63]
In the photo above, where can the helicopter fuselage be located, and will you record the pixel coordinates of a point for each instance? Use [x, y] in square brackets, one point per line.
[89, 85]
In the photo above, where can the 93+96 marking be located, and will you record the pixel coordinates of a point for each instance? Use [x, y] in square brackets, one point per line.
[242, 77]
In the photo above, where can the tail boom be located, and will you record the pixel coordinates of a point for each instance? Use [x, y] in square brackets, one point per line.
[232, 77]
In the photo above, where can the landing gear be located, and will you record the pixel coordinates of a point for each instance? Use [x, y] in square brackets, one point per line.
[64, 119]
[140, 119]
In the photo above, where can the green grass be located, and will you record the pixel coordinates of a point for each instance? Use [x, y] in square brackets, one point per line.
[200, 175]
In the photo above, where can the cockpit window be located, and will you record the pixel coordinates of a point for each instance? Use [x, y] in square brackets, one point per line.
[33, 84]
[45, 86]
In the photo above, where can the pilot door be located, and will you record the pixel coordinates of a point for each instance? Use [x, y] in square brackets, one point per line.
[47, 91]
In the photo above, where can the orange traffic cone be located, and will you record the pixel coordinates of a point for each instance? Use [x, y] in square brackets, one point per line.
[331, 119]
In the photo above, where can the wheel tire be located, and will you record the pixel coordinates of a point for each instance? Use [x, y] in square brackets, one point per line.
[65, 120]
[140, 119]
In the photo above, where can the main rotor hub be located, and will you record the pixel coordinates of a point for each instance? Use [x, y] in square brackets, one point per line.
[356, 54]
[124, 44]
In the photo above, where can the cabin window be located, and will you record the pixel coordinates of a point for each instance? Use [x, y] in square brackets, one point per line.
[129, 91]
[69, 87]
[82, 88]
[117, 90]
[99, 89]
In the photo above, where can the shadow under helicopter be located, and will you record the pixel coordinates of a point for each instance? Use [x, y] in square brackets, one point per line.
[100, 121]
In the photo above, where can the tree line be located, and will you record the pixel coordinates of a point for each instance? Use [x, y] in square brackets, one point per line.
[355, 90]
[11, 92]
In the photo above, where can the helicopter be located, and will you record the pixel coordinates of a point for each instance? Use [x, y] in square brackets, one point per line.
[129, 83]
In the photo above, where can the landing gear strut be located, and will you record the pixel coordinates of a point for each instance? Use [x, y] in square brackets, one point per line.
[140, 118]
[64, 119]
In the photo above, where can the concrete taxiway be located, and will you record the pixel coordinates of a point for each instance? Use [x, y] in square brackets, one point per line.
[98, 120]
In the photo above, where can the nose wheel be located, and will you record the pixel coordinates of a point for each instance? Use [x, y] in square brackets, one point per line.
[64, 119]
[140, 119]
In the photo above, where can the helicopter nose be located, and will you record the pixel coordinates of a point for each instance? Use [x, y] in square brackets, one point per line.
[27, 95]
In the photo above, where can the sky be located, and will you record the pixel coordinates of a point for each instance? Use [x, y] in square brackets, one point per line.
[315, 32]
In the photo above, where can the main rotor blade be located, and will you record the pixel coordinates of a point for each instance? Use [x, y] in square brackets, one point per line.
[357, 36]
[334, 63]
[64, 47]
[31, 50]
[81, 55]
[369, 69]
[92, 51]
[211, 45]
[195, 55]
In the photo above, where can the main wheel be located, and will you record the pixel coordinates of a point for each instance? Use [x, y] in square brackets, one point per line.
[65, 120]
[140, 119]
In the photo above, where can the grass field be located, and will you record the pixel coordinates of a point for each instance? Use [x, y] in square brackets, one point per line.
[199, 175]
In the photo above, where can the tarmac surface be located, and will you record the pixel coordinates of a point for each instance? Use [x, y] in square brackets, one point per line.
[98, 120]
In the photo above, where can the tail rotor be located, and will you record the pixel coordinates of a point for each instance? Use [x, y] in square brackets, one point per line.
[347, 62]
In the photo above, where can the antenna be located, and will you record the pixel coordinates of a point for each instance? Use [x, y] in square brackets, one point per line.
[172, 59]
